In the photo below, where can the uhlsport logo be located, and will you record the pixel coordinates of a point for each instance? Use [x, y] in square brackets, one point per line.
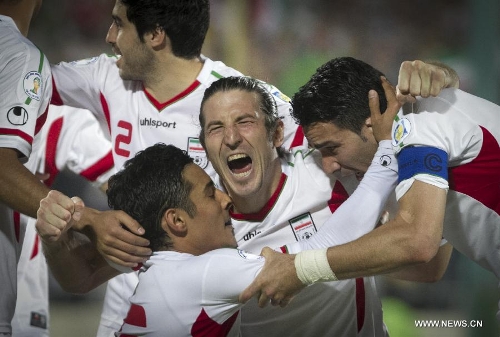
[17, 116]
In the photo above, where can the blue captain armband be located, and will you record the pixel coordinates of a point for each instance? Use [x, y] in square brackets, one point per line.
[414, 160]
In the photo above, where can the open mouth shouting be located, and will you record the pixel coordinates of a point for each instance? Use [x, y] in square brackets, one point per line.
[239, 164]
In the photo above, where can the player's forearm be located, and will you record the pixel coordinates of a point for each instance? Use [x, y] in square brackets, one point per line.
[412, 237]
[432, 271]
[21, 190]
[76, 264]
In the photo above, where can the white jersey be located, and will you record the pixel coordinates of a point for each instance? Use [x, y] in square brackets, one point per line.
[136, 120]
[70, 139]
[466, 129]
[300, 206]
[184, 295]
[25, 89]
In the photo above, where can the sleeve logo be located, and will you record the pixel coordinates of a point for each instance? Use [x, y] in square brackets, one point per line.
[401, 130]
[17, 116]
[33, 85]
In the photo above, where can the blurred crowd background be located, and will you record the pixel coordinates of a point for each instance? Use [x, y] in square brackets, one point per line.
[283, 42]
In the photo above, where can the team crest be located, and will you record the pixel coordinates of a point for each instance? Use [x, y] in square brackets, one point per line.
[400, 131]
[196, 151]
[17, 116]
[33, 85]
[303, 226]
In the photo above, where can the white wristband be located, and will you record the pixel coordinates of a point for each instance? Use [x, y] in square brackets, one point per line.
[312, 266]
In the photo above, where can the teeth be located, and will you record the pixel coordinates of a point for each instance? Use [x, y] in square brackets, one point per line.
[236, 156]
[241, 175]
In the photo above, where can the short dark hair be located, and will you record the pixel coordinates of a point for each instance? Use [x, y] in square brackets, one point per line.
[185, 22]
[338, 93]
[267, 102]
[148, 185]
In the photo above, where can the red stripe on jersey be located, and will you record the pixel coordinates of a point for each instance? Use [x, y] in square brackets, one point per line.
[298, 138]
[51, 150]
[40, 121]
[204, 326]
[161, 106]
[18, 133]
[17, 224]
[261, 215]
[360, 302]
[339, 195]
[105, 109]
[103, 165]
[36, 245]
[136, 316]
[480, 179]
[56, 97]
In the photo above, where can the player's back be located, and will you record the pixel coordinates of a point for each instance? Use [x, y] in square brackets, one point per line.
[184, 295]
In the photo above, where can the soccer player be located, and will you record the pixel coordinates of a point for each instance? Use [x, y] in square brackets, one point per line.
[190, 285]
[449, 159]
[71, 140]
[25, 89]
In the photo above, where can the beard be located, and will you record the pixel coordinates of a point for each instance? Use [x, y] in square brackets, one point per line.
[138, 64]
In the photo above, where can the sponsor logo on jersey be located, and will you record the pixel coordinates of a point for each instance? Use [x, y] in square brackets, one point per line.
[17, 116]
[196, 151]
[84, 62]
[249, 256]
[157, 123]
[400, 131]
[33, 85]
[303, 226]
[250, 235]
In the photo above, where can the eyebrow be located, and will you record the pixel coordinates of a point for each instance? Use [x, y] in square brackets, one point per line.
[327, 143]
[116, 18]
[209, 186]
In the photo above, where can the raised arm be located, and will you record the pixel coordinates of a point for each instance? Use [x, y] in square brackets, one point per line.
[73, 259]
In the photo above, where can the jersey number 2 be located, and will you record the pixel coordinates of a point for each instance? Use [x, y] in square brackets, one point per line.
[123, 138]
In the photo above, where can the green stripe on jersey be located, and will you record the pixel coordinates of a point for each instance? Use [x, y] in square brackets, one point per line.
[40, 68]
[216, 74]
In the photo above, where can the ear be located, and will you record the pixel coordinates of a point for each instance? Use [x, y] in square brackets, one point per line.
[368, 122]
[279, 134]
[173, 222]
[156, 38]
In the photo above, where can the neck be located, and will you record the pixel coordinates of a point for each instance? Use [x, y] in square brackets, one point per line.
[21, 12]
[255, 202]
[175, 76]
